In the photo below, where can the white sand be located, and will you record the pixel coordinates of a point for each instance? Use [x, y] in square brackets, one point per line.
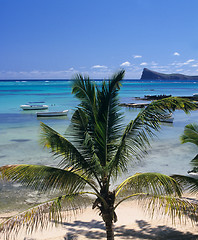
[132, 223]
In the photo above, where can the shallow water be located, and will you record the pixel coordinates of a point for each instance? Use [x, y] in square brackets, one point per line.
[20, 130]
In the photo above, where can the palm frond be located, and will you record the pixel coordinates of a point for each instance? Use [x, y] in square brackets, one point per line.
[96, 122]
[45, 178]
[194, 161]
[149, 183]
[83, 139]
[84, 90]
[71, 157]
[189, 184]
[160, 205]
[108, 127]
[190, 134]
[135, 140]
[44, 215]
[173, 207]
[59, 145]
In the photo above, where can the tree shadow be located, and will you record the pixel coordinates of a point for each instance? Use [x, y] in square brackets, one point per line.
[88, 229]
[92, 230]
[146, 231]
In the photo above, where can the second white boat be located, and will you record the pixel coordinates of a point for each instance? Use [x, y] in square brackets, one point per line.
[52, 114]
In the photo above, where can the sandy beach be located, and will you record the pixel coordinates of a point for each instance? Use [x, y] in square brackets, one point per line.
[133, 223]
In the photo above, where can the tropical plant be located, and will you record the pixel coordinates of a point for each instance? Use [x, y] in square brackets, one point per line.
[189, 183]
[190, 135]
[96, 150]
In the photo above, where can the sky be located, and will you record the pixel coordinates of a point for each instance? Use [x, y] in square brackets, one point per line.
[56, 39]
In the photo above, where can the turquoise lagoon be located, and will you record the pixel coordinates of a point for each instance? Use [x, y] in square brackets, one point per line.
[20, 130]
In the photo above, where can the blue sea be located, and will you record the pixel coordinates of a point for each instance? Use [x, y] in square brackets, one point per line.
[20, 130]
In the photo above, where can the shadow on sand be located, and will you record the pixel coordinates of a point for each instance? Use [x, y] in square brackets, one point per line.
[92, 230]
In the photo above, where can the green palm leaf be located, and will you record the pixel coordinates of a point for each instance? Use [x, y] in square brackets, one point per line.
[190, 134]
[189, 184]
[83, 139]
[44, 214]
[85, 91]
[108, 127]
[149, 183]
[44, 178]
[71, 156]
[135, 140]
[169, 206]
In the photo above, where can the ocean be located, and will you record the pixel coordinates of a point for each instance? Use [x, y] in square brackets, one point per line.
[20, 130]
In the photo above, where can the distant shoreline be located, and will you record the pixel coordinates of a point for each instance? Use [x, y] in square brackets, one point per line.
[125, 80]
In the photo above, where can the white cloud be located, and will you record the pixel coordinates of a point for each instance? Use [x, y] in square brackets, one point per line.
[143, 64]
[137, 56]
[195, 65]
[98, 66]
[125, 64]
[190, 60]
[181, 64]
[176, 54]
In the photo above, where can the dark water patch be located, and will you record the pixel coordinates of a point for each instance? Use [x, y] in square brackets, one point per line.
[13, 118]
[18, 90]
[2, 156]
[20, 140]
[47, 94]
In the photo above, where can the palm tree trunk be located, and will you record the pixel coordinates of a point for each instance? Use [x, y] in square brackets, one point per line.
[109, 226]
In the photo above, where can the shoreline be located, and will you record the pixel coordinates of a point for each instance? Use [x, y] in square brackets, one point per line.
[132, 223]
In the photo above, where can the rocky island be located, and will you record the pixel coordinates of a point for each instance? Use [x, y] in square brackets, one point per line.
[152, 75]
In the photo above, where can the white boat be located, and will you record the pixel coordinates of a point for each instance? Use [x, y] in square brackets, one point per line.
[34, 106]
[52, 114]
[193, 174]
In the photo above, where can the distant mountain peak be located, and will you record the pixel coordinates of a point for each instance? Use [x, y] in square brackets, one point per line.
[149, 74]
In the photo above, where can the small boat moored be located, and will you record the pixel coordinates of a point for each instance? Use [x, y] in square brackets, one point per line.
[194, 172]
[52, 114]
[34, 106]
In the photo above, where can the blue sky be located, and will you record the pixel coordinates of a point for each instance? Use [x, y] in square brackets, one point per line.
[59, 38]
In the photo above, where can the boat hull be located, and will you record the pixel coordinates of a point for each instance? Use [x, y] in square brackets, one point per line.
[52, 114]
[34, 107]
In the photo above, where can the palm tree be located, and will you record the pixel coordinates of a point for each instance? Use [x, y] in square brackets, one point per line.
[191, 136]
[189, 183]
[96, 150]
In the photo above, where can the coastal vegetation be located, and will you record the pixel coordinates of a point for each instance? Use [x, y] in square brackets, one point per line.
[96, 149]
[190, 183]
[190, 135]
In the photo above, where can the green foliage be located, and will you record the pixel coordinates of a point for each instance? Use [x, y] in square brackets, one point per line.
[44, 178]
[190, 134]
[42, 215]
[149, 183]
[189, 183]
